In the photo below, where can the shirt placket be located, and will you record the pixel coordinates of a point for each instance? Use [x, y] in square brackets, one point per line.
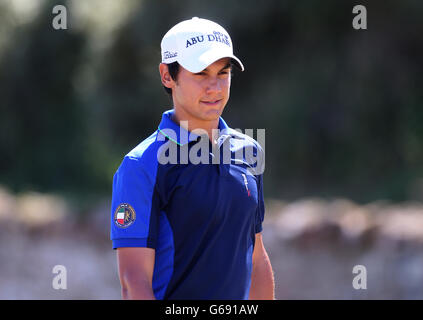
[224, 158]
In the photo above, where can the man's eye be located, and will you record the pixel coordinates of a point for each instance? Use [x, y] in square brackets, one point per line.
[224, 72]
[200, 74]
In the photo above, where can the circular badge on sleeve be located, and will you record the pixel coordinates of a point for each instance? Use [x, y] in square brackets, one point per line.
[124, 215]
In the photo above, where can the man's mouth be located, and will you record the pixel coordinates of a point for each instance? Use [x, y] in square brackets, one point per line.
[211, 102]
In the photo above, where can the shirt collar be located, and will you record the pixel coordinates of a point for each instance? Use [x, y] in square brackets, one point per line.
[180, 135]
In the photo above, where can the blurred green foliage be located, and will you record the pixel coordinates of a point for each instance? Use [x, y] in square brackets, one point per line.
[342, 108]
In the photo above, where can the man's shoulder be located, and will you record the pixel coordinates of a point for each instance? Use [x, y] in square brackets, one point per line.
[144, 155]
[144, 147]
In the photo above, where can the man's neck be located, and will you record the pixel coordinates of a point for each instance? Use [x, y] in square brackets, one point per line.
[190, 124]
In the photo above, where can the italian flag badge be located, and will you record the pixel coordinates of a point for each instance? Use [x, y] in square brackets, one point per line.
[121, 216]
[124, 215]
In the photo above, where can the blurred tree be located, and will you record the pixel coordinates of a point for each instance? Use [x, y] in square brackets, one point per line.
[342, 108]
[42, 123]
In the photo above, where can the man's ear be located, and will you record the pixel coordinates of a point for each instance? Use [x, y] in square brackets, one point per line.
[165, 77]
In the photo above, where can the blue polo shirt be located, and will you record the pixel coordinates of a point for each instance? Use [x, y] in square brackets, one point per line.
[200, 214]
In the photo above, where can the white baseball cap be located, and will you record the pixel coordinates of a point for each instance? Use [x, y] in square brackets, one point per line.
[197, 43]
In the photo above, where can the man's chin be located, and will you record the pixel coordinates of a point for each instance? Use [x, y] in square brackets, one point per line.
[212, 114]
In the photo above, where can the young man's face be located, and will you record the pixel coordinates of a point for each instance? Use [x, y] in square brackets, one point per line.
[203, 96]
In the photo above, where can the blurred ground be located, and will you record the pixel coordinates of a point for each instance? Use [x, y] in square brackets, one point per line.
[313, 246]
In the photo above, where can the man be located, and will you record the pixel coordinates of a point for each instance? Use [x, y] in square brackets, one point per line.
[188, 229]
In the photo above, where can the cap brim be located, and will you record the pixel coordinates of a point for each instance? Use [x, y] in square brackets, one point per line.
[238, 63]
[206, 59]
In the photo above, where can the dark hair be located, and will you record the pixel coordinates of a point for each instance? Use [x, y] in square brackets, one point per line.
[173, 71]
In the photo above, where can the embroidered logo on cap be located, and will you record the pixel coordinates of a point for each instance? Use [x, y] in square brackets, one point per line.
[169, 55]
[215, 36]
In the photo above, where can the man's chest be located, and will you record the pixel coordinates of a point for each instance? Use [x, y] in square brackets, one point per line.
[198, 194]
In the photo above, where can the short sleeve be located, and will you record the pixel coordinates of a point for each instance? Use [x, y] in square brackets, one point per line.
[260, 207]
[135, 204]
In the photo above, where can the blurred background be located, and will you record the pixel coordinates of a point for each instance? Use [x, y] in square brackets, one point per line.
[342, 109]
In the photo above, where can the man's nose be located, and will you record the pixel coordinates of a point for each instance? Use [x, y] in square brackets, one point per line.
[214, 85]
